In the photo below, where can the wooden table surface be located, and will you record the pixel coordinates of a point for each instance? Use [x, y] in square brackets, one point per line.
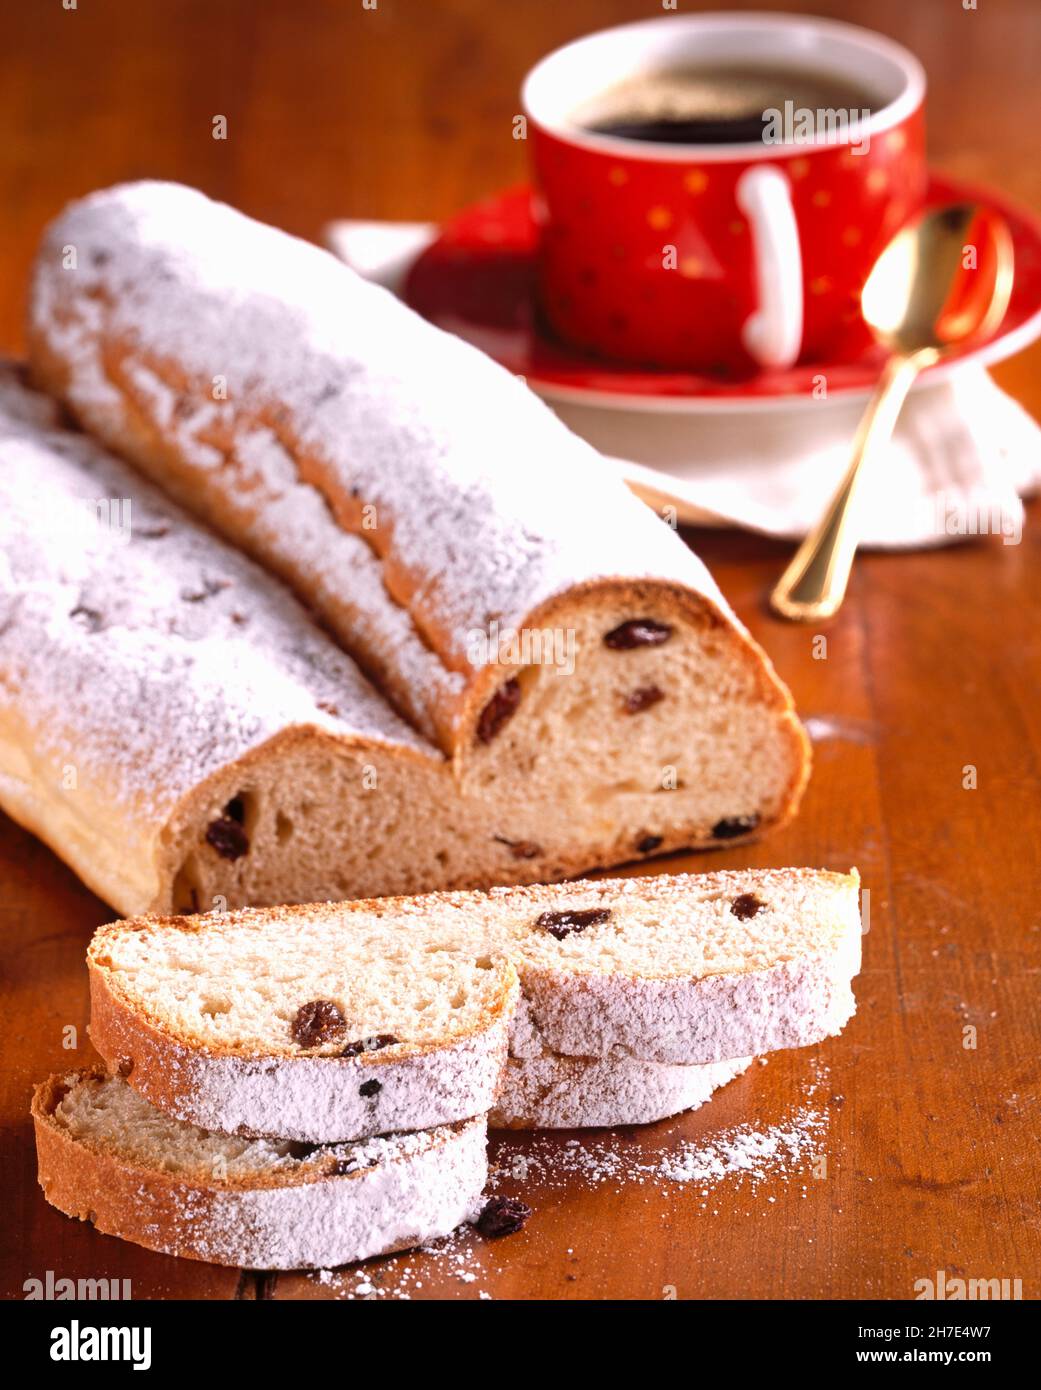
[930, 1097]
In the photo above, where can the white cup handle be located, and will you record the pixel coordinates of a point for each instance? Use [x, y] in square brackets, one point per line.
[773, 334]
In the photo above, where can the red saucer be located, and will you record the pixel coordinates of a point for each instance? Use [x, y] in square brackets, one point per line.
[477, 279]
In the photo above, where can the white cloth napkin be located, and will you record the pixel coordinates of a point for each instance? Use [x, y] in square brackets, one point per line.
[963, 455]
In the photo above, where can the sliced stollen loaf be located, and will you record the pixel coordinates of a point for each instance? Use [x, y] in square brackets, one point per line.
[178, 729]
[106, 1156]
[199, 1012]
[306, 1023]
[501, 585]
[555, 1092]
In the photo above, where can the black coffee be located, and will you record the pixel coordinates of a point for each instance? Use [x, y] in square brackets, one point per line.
[718, 105]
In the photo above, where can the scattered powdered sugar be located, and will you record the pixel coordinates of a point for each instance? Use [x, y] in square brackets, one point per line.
[454, 1259]
[739, 1158]
[748, 1152]
[745, 1153]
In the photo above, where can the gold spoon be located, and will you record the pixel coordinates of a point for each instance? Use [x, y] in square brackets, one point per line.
[943, 280]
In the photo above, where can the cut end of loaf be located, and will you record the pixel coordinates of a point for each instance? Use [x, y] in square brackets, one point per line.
[621, 754]
[645, 718]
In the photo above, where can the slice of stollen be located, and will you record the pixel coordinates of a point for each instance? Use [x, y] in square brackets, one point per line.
[200, 1013]
[686, 968]
[309, 1023]
[555, 1092]
[106, 1156]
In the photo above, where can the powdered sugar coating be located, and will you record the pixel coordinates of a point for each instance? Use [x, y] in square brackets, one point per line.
[315, 1102]
[313, 1099]
[387, 1207]
[104, 1110]
[200, 655]
[291, 522]
[337, 1205]
[554, 1092]
[694, 1021]
[485, 504]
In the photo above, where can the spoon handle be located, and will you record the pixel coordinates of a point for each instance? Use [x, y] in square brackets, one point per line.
[814, 584]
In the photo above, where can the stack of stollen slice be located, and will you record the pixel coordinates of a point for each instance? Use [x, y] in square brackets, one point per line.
[307, 1086]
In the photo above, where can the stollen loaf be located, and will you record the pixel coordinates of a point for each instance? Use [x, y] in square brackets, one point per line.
[178, 728]
[517, 606]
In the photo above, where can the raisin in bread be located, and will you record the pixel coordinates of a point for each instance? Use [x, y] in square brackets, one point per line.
[514, 601]
[106, 1156]
[199, 1013]
[554, 1092]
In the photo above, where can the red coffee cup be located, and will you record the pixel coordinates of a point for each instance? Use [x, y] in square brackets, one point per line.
[721, 257]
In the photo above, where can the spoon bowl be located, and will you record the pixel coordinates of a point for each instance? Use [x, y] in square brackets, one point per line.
[945, 278]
